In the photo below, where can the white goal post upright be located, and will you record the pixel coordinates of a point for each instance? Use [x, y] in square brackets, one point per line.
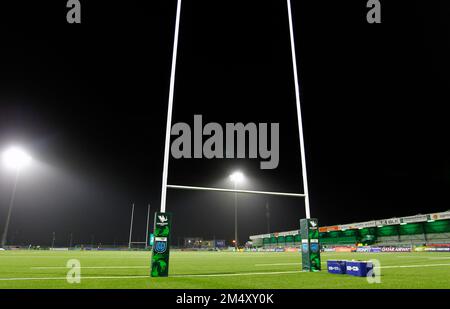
[169, 109]
[299, 111]
[164, 185]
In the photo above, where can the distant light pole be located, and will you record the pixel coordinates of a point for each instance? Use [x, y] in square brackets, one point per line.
[131, 226]
[236, 178]
[70, 239]
[148, 227]
[15, 159]
[53, 240]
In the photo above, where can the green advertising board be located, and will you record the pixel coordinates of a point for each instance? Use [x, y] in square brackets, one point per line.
[161, 244]
[309, 232]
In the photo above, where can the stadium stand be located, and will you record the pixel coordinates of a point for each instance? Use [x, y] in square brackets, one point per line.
[412, 230]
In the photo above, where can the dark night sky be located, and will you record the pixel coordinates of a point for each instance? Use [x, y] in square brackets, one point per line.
[89, 101]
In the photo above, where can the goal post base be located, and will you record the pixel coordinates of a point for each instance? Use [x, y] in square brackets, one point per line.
[309, 233]
[161, 245]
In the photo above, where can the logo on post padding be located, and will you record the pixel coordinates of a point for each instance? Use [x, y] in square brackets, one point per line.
[162, 218]
[160, 244]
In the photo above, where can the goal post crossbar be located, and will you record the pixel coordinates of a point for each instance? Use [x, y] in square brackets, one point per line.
[180, 187]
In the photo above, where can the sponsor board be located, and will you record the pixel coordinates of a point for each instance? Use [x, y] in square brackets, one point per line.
[396, 249]
[413, 219]
[392, 221]
[354, 226]
[329, 228]
[438, 245]
[437, 249]
[368, 249]
[440, 216]
[336, 267]
[345, 249]
[358, 268]
[431, 249]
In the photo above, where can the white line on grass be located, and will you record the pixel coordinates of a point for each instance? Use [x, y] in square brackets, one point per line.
[205, 275]
[241, 274]
[65, 278]
[426, 257]
[278, 264]
[92, 267]
[282, 264]
[413, 266]
[140, 277]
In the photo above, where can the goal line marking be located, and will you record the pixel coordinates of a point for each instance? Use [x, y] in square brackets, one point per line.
[91, 267]
[148, 277]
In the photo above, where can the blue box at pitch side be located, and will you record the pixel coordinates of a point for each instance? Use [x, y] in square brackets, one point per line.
[358, 268]
[336, 267]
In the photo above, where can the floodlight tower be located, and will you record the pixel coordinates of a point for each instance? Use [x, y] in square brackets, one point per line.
[16, 159]
[236, 177]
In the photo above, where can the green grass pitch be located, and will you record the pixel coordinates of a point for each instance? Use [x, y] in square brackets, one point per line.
[215, 270]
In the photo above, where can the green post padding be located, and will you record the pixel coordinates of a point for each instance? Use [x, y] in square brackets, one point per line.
[161, 246]
[309, 232]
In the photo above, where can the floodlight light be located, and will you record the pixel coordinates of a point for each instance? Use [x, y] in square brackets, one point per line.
[16, 158]
[237, 177]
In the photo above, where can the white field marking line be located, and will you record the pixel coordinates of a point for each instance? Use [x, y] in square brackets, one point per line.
[241, 274]
[282, 264]
[65, 278]
[90, 267]
[80, 257]
[426, 257]
[413, 266]
[140, 277]
[278, 264]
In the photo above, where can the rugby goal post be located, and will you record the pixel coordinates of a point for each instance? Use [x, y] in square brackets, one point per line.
[162, 223]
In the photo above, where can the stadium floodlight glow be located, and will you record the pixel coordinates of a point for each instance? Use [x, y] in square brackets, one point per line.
[237, 177]
[16, 158]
